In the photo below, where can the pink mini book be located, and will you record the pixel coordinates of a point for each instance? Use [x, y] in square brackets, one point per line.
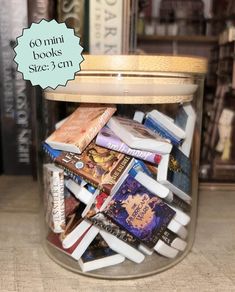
[80, 128]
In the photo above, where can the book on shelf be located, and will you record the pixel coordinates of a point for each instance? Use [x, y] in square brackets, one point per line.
[106, 138]
[99, 255]
[112, 27]
[142, 214]
[15, 109]
[73, 14]
[80, 128]
[138, 136]
[54, 202]
[174, 171]
[100, 167]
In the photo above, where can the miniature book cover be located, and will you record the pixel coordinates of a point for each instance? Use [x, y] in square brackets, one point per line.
[80, 128]
[179, 171]
[106, 138]
[55, 240]
[73, 218]
[99, 255]
[98, 249]
[163, 132]
[97, 165]
[54, 203]
[139, 212]
[106, 224]
[138, 136]
[95, 205]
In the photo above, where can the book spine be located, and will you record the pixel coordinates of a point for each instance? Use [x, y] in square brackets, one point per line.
[117, 145]
[180, 203]
[16, 137]
[54, 199]
[115, 175]
[40, 9]
[66, 163]
[94, 128]
[72, 13]
[105, 31]
[156, 128]
[107, 225]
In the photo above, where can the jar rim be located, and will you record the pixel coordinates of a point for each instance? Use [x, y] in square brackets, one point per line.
[145, 63]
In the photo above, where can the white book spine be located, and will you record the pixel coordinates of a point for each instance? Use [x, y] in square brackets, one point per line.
[153, 186]
[105, 30]
[54, 197]
[79, 192]
[85, 242]
[177, 228]
[75, 234]
[165, 250]
[189, 130]
[180, 216]
[123, 248]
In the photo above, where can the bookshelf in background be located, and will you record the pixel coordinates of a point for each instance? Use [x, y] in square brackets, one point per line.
[218, 147]
[16, 128]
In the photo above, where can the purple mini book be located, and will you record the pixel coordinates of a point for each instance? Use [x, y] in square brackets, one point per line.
[139, 212]
[106, 138]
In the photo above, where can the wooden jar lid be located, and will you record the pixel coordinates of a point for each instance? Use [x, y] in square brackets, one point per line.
[144, 63]
[132, 79]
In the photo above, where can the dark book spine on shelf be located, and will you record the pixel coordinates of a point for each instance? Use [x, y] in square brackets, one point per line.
[73, 14]
[15, 110]
[43, 112]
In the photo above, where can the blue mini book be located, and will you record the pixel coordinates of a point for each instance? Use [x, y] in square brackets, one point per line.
[163, 132]
[139, 212]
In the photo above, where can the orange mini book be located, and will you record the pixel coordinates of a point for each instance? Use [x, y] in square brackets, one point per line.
[80, 127]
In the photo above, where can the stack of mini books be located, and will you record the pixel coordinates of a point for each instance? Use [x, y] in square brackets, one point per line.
[117, 188]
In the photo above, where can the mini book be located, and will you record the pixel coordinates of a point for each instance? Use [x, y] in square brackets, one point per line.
[91, 209]
[73, 216]
[141, 213]
[54, 240]
[99, 255]
[176, 128]
[79, 191]
[79, 129]
[138, 136]
[162, 248]
[179, 131]
[118, 239]
[97, 165]
[174, 171]
[106, 138]
[173, 240]
[188, 111]
[54, 201]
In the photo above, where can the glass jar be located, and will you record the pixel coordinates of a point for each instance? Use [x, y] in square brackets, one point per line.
[136, 84]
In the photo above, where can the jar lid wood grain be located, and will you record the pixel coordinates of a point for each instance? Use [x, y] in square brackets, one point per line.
[133, 79]
[144, 63]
